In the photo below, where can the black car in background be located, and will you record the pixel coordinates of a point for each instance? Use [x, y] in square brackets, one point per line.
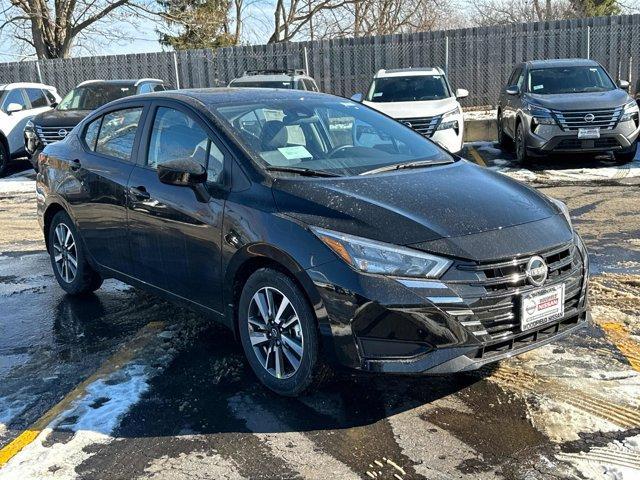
[317, 229]
[56, 124]
[567, 106]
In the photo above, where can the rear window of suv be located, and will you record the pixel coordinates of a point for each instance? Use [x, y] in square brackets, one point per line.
[409, 89]
[578, 79]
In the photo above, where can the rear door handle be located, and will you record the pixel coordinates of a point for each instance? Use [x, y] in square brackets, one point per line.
[140, 193]
[75, 165]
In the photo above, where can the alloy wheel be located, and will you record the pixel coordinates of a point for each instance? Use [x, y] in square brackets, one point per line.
[65, 253]
[520, 144]
[275, 332]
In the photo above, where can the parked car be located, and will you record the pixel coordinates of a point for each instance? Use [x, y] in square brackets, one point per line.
[289, 79]
[422, 99]
[18, 103]
[53, 126]
[567, 106]
[375, 249]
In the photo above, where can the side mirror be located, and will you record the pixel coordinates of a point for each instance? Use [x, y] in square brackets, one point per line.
[513, 90]
[462, 93]
[358, 97]
[13, 108]
[182, 173]
[624, 85]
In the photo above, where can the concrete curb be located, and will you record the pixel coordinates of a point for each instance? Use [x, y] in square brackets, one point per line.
[480, 130]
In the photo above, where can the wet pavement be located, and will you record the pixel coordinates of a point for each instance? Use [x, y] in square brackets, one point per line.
[122, 385]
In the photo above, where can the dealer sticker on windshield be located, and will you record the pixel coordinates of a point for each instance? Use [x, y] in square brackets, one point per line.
[542, 306]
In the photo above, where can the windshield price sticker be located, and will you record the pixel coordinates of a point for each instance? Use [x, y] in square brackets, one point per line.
[295, 153]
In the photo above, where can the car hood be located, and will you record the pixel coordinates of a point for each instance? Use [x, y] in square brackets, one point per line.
[60, 118]
[582, 101]
[414, 109]
[413, 206]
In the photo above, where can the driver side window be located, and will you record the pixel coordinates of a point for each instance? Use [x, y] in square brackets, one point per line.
[175, 136]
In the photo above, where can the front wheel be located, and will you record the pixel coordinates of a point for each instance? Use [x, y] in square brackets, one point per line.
[4, 159]
[628, 156]
[279, 333]
[68, 259]
[521, 145]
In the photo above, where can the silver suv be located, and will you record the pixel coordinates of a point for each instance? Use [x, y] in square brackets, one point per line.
[288, 79]
[567, 106]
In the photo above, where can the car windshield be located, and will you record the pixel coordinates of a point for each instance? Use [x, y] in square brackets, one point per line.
[409, 89]
[579, 79]
[265, 84]
[90, 97]
[333, 136]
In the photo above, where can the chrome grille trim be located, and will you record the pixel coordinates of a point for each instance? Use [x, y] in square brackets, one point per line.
[49, 135]
[572, 120]
[425, 126]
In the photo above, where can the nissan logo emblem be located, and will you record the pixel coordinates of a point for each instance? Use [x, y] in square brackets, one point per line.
[589, 117]
[537, 271]
[62, 132]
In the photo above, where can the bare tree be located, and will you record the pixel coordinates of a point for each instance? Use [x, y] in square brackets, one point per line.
[494, 12]
[293, 16]
[53, 27]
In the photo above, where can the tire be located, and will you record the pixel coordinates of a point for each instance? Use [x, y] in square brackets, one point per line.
[521, 146]
[65, 248]
[503, 139]
[290, 347]
[4, 159]
[627, 157]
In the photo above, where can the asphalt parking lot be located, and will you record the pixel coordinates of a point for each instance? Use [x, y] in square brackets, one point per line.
[121, 385]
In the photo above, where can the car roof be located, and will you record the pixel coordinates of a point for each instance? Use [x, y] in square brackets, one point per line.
[408, 72]
[8, 86]
[562, 62]
[134, 82]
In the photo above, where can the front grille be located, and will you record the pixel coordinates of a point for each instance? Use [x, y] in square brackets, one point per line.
[425, 126]
[572, 120]
[577, 144]
[49, 135]
[498, 310]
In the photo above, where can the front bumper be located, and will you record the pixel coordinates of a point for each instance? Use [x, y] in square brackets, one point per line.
[466, 319]
[547, 139]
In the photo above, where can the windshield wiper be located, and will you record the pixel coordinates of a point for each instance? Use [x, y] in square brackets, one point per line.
[305, 172]
[402, 166]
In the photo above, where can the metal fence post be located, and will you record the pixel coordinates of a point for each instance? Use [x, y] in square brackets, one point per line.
[39, 72]
[306, 61]
[588, 41]
[446, 55]
[175, 65]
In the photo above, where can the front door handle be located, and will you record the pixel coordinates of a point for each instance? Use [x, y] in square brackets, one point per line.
[140, 193]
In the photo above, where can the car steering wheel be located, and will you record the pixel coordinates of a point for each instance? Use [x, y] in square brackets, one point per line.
[339, 149]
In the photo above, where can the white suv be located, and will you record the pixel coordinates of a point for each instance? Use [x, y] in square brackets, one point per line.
[422, 99]
[19, 102]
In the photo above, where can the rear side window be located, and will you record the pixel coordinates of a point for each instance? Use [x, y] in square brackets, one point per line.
[176, 136]
[37, 98]
[118, 133]
[91, 134]
[311, 85]
[50, 97]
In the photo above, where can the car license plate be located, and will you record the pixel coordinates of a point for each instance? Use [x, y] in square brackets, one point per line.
[587, 133]
[541, 306]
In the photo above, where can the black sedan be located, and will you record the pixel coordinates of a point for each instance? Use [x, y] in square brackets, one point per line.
[320, 231]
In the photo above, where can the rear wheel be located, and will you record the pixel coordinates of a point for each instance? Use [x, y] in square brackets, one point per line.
[68, 259]
[503, 139]
[4, 159]
[279, 333]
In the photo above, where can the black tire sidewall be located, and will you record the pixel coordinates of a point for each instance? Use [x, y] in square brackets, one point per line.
[521, 144]
[86, 279]
[304, 377]
[4, 159]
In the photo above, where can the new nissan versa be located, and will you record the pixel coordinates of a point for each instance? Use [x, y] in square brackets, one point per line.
[567, 106]
[54, 125]
[317, 229]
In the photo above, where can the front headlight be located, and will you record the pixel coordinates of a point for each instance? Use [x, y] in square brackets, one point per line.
[630, 110]
[448, 120]
[540, 114]
[565, 210]
[381, 258]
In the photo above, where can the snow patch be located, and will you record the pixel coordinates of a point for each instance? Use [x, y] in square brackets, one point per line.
[23, 182]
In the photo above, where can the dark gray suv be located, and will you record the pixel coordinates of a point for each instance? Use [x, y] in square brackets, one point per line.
[564, 106]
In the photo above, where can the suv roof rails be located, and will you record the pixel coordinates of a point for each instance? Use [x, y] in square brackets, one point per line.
[283, 71]
[87, 82]
[142, 80]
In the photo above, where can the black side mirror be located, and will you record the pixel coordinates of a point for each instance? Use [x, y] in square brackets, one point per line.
[182, 173]
[512, 90]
